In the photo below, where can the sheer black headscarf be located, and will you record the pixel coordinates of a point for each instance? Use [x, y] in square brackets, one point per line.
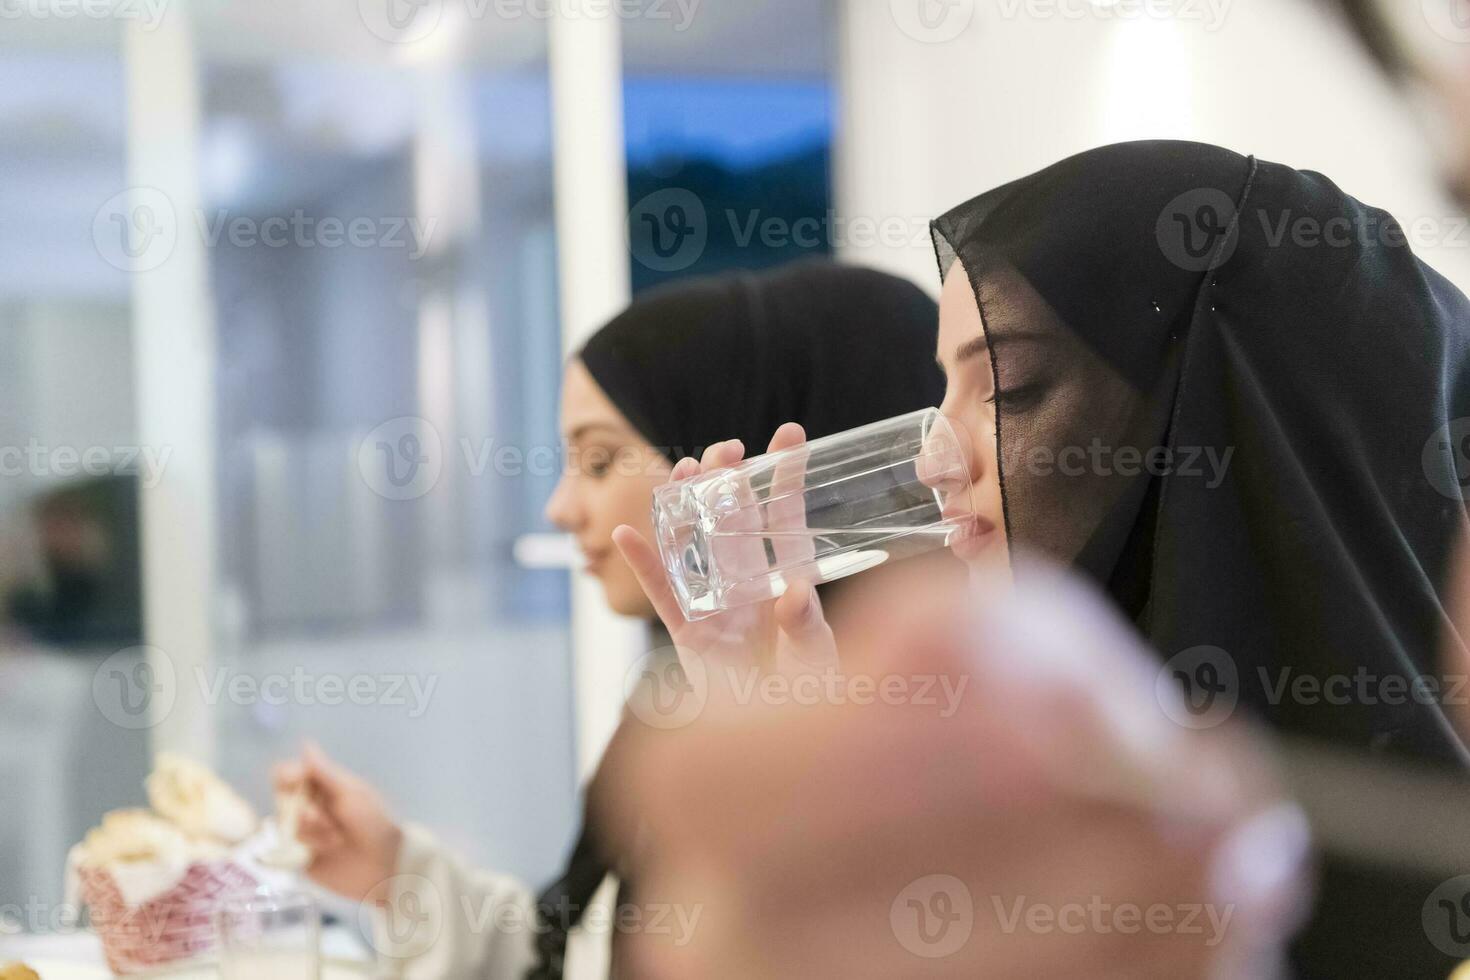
[1226, 390]
[707, 359]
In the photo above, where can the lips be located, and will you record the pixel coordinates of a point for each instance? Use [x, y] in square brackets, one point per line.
[592, 559]
[971, 536]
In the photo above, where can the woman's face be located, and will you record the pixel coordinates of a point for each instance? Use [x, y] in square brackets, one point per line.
[609, 479]
[969, 403]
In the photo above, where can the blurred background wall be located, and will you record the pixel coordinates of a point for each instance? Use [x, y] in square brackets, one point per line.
[986, 92]
[279, 278]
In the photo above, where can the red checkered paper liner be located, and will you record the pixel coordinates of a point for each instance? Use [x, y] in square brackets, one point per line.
[177, 925]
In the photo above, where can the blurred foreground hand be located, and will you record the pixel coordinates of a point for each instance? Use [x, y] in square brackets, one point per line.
[991, 787]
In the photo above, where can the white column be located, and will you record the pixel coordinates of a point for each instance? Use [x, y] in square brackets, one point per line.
[174, 365]
[592, 248]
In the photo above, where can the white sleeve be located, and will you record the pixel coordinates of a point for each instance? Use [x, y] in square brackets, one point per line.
[444, 920]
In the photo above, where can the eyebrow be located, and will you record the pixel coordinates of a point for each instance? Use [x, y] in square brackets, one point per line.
[588, 427]
[971, 348]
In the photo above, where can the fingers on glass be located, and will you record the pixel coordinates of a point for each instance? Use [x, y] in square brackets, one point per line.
[649, 571]
[786, 504]
[788, 435]
[685, 468]
[738, 546]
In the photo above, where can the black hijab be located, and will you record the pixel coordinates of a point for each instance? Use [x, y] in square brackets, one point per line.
[1184, 299]
[830, 346]
[703, 360]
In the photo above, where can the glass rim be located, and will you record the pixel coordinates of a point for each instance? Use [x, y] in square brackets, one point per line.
[285, 902]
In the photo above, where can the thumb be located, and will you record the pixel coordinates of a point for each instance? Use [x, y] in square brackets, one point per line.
[809, 640]
[326, 777]
[288, 777]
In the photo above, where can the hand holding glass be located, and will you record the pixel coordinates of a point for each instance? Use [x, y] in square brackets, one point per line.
[819, 511]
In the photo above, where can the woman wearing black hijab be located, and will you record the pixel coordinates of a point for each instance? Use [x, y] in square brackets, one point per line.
[1143, 297]
[1293, 370]
[682, 367]
[1224, 390]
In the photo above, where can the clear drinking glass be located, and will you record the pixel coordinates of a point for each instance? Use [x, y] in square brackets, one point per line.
[271, 937]
[820, 511]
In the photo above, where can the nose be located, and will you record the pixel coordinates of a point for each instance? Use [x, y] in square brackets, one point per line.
[562, 509]
[944, 464]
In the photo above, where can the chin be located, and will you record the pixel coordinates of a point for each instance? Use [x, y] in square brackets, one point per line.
[984, 552]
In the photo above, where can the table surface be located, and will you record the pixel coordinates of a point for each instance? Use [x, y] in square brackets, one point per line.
[78, 956]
